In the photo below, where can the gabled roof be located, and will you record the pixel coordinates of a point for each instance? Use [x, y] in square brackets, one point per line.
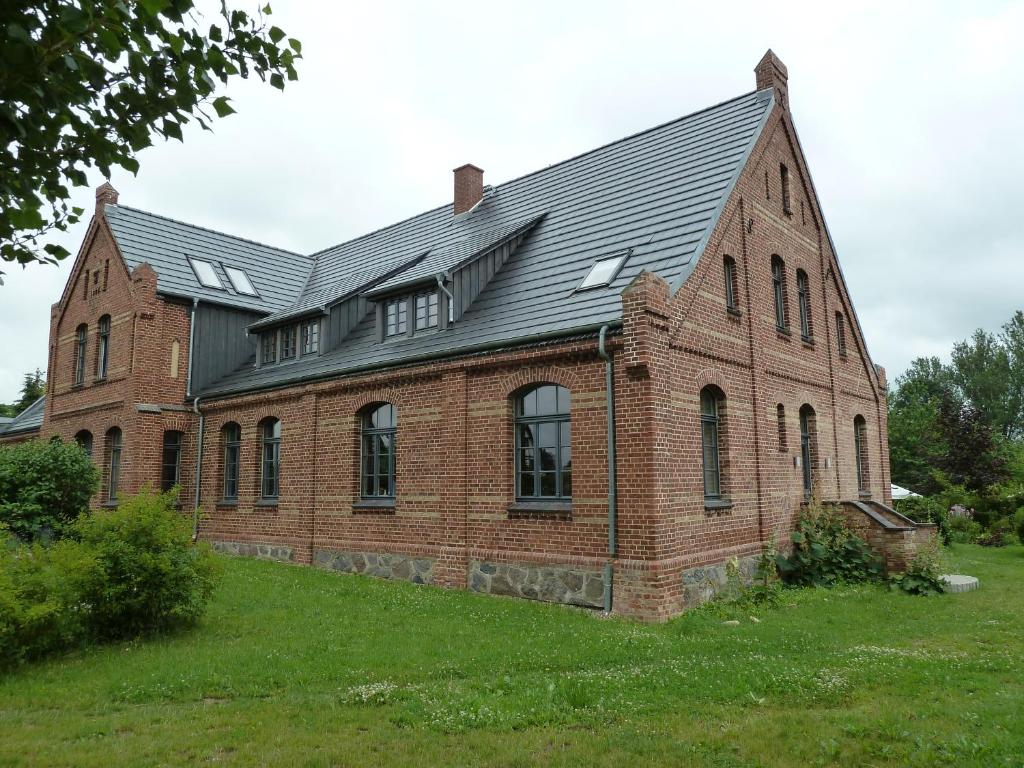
[29, 420]
[658, 193]
[166, 244]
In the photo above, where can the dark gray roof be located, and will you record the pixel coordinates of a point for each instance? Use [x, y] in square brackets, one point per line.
[441, 260]
[658, 192]
[29, 420]
[165, 244]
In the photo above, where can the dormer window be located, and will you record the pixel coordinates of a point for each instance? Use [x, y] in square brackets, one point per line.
[268, 348]
[310, 337]
[426, 310]
[288, 342]
[240, 281]
[603, 272]
[395, 320]
[206, 274]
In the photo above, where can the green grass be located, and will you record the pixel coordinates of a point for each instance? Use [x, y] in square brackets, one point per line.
[294, 666]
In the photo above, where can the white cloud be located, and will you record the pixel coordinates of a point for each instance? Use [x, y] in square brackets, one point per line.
[910, 115]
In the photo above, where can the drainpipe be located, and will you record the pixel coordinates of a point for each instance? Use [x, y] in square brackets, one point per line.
[612, 489]
[191, 340]
[199, 469]
[451, 299]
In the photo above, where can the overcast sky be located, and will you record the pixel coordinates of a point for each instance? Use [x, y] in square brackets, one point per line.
[911, 116]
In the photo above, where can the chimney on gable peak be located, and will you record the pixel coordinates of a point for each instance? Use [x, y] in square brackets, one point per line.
[105, 193]
[469, 187]
[772, 73]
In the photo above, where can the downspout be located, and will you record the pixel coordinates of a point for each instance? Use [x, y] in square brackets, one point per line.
[441, 277]
[612, 488]
[199, 469]
[191, 341]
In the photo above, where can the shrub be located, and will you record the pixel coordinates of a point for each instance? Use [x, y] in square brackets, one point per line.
[149, 574]
[120, 573]
[1019, 517]
[923, 574]
[827, 552]
[922, 509]
[964, 529]
[44, 486]
[999, 534]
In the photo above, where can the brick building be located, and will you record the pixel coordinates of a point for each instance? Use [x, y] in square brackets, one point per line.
[594, 384]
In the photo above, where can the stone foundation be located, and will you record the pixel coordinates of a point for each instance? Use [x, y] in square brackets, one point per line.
[418, 570]
[260, 551]
[553, 584]
[707, 582]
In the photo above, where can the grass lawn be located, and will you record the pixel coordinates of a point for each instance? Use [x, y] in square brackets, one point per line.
[294, 666]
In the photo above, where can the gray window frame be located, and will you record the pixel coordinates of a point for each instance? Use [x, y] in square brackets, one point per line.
[729, 272]
[804, 303]
[115, 442]
[170, 461]
[309, 337]
[103, 351]
[561, 419]
[268, 340]
[807, 429]
[401, 324]
[81, 347]
[270, 459]
[289, 342]
[779, 292]
[431, 297]
[371, 436]
[710, 423]
[860, 437]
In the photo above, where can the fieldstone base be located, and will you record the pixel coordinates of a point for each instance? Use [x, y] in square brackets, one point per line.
[553, 584]
[709, 581]
[259, 551]
[418, 570]
[956, 582]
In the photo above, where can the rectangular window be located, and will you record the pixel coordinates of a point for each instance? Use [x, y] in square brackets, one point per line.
[80, 345]
[730, 283]
[206, 274]
[288, 336]
[841, 333]
[103, 355]
[426, 310]
[311, 337]
[603, 272]
[803, 297]
[268, 348]
[395, 323]
[240, 281]
[779, 289]
[170, 473]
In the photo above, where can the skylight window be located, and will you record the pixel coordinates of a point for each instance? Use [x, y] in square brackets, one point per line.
[240, 281]
[603, 272]
[207, 276]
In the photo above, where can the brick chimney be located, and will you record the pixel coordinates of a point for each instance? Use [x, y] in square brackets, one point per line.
[105, 193]
[469, 187]
[771, 73]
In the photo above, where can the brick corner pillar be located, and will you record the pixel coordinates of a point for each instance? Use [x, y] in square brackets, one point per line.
[453, 560]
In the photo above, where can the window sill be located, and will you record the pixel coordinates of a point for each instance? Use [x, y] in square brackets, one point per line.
[109, 505]
[864, 494]
[370, 506]
[808, 341]
[226, 503]
[540, 510]
[843, 355]
[266, 503]
[783, 333]
[733, 312]
[99, 380]
[717, 505]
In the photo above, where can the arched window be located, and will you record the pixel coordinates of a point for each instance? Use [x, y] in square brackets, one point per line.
[270, 474]
[81, 341]
[379, 428]
[231, 434]
[804, 301]
[170, 469]
[113, 463]
[543, 443]
[84, 440]
[710, 413]
[729, 267]
[808, 447]
[780, 415]
[103, 347]
[779, 290]
[860, 443]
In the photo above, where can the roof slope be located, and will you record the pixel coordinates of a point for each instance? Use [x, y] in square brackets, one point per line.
[29, 420]
[165, 244]
[658, 192]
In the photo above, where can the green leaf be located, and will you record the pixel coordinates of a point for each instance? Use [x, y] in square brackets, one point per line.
[171, 129]
[295, 44]
[277, 81]
[276, 34]
[70, 63]
[222, 107]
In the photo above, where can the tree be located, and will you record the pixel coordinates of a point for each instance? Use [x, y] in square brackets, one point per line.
[981, 370]
[32, 389]
[971, 456]
[88, 83]
[914, 436]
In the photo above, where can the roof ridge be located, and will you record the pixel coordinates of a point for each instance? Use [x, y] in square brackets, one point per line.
[210, 229]
[659, 126]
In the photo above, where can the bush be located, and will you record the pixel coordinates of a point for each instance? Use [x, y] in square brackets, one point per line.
[964, 530]
[148, 573]
[120, 573]
[999, 534]
[922, 509]
[827, 552]
[1019, 518]
[923, 574]
[44, 486]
